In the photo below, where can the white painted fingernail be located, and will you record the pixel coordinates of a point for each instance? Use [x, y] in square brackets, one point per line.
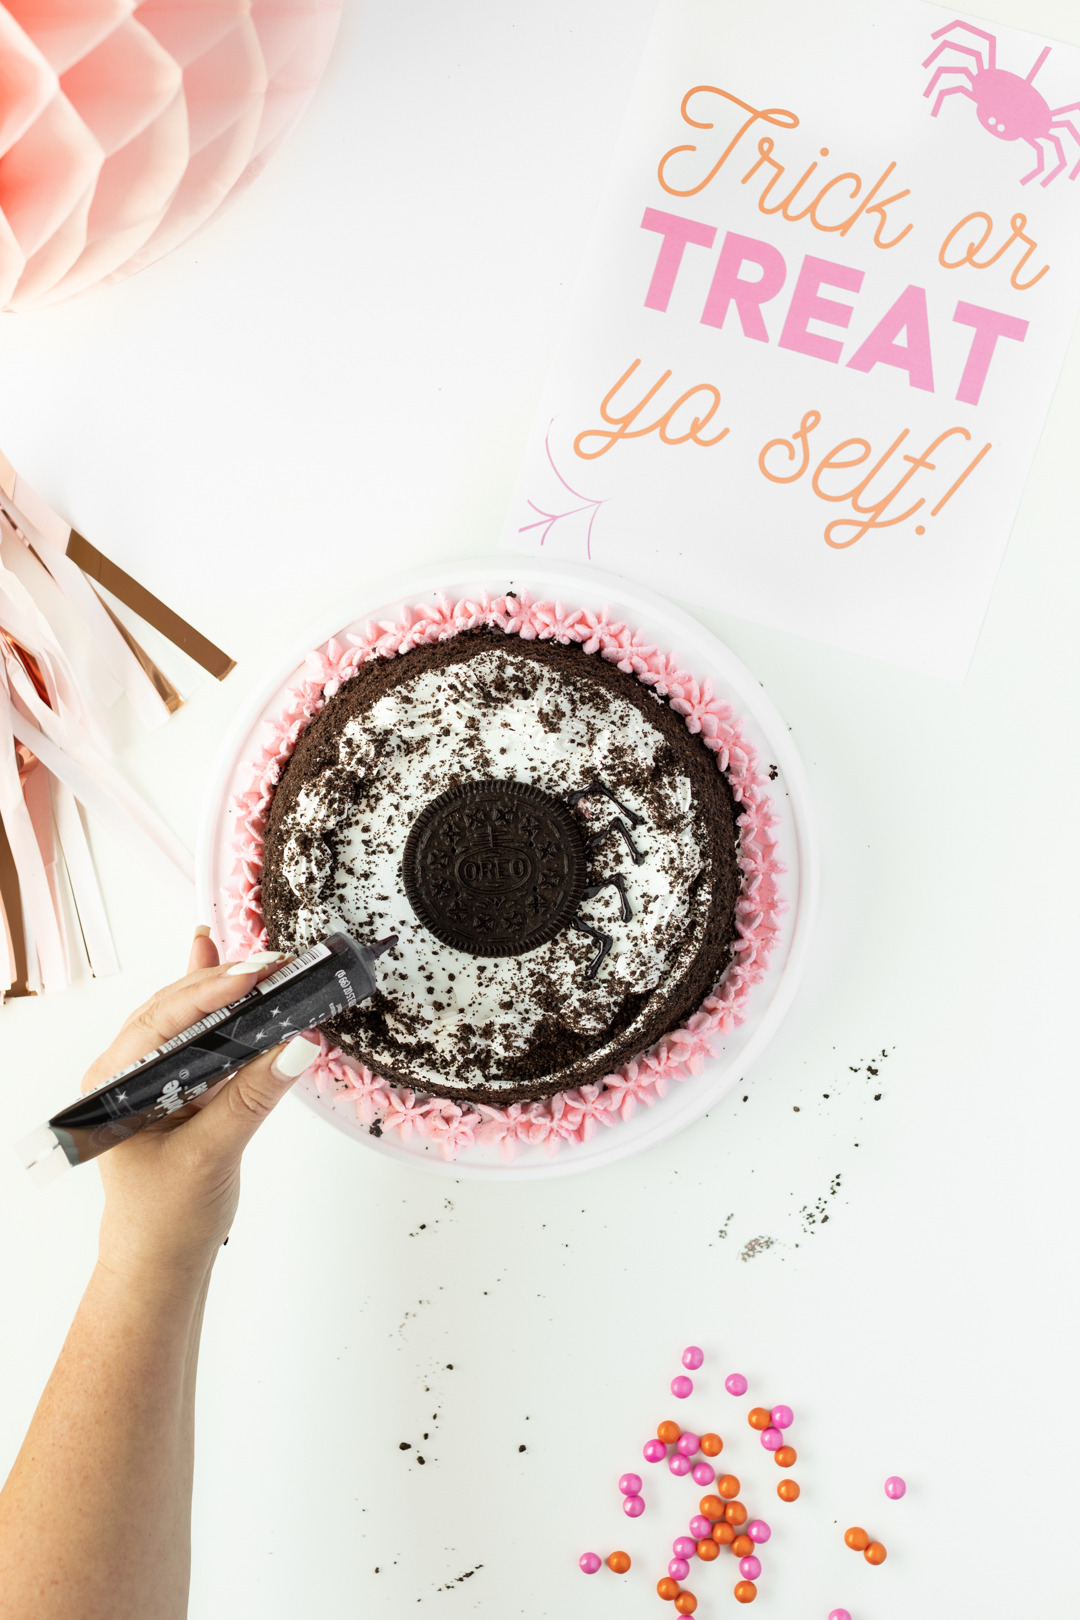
[254, 964]
[291, 1062]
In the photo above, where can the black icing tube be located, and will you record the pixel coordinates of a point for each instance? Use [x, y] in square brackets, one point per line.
[318, 985]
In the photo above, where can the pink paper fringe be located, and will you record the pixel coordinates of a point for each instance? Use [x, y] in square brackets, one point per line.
[569, 1116]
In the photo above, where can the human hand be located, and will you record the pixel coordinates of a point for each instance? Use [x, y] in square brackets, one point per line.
[171, 1190]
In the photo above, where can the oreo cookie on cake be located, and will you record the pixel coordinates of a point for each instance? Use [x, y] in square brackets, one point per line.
[555, 850]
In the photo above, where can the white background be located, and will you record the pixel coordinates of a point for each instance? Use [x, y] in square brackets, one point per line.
[239, 427]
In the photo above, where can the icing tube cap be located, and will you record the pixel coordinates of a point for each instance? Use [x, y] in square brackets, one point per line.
[42, 1154]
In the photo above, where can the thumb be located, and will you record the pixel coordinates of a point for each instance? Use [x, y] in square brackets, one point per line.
[229, 1122]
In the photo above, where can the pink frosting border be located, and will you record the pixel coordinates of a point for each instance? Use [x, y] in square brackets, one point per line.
[570, 1116]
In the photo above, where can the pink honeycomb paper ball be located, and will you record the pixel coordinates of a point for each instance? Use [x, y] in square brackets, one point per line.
[134, 123]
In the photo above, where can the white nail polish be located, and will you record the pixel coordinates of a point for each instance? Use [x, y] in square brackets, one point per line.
[255, 964]
[299, 1055]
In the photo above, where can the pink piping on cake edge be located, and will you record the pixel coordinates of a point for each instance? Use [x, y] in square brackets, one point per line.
[572, 1116]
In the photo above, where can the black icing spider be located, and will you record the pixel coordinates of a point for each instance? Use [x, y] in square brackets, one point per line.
[616, 881]
[499, 868]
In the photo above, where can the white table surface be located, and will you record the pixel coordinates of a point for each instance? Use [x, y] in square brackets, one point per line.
[240, 427]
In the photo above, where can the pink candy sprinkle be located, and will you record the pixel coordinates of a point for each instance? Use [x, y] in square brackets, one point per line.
[839, 1614]
[750, 1567]
[630, 1484]
[589, 1562]
[772, 1439]
[894, 1487]
[682, 1387]
[688, 1443]
[678, 1569]
[692, 1357]
[633, 1506]
[684, 1547]
[654, 1451]
[758, 1530]
[783, 1417]
[700, 1526]
[735, 1384]
[703, 1473]
[678, 1464]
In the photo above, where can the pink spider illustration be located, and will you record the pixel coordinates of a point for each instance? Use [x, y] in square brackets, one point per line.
[1008, 106]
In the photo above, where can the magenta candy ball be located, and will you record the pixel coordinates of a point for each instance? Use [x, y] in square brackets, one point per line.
[783, 1417]
[750, 1567]
[894, 1487]
[700, 1526]
[758, 1530]
[692, 1357]
[589, 1562]
[704, 1473]
[684, 1547]
[735, 1384]
[839, 1614]
[772, 1439]
[678, 1569]
[682, 1387]
[678, 1464]
[633, 1506]
[688, 1443]
[654, 1451]
[630, 1484]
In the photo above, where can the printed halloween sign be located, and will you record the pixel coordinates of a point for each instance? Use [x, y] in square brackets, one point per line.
[819, 322]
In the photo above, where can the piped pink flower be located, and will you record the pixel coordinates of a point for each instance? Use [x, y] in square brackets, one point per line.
[405, 1112]
[452, 1128]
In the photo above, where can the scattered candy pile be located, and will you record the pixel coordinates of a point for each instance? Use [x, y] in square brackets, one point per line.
[722, 1519]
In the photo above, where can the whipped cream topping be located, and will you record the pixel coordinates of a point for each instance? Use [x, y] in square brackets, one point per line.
[459, 1020]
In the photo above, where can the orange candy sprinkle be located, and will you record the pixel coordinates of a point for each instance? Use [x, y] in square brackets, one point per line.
[857, 1539]
[728, 1486]
[723, 1533]
[742, 1547]
[619, 1562]
[759, 1418]
[707, 1550]
[668, 1432]
[784, 1456]
[711, 1445]
[875, 1553]
[735, 1513]
[667, 1588]
[787, 1490]
[686, 1602]
[745, 1592]
[711, 1507]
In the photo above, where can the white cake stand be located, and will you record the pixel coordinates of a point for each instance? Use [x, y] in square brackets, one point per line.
[669, 628]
